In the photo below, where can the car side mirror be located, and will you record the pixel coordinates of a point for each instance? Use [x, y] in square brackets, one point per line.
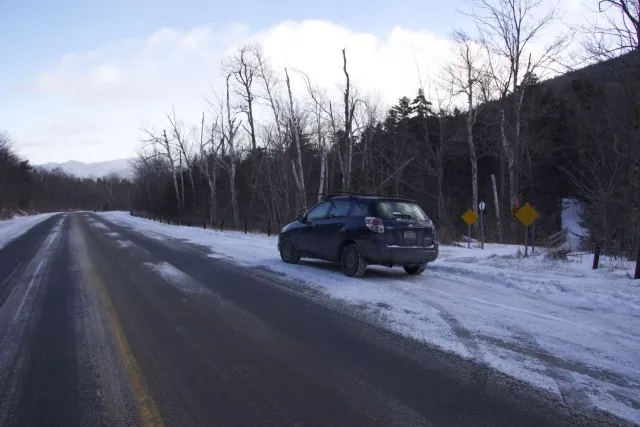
[300, 218]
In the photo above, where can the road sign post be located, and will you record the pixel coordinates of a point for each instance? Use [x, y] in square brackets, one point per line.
[481, 207]
[527, 216]
[533, 237]
[469, 217]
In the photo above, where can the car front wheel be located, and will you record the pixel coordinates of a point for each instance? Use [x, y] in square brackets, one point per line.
[415, 270]
[288, 251]
[352, 263]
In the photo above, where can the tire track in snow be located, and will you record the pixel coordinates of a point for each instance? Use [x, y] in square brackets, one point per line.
[464, 335]
[564, 379]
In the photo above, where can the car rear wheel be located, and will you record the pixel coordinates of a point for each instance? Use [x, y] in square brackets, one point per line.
[415, 270]
[352, 263]
[288, 252]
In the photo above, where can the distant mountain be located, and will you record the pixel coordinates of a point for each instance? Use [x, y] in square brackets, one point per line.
[120, 167]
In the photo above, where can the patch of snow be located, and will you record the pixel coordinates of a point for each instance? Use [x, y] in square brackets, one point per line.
[571, 218]
[558, 325]
[99, 226]
[124, 243]
[177, 278]
[11, 229]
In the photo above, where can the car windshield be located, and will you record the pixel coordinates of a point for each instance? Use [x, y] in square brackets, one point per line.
[392, 209]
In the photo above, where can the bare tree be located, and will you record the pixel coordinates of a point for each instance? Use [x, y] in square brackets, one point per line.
[346, 157]
[615, 37]
[274, 133]
[7, 160]
[183, 143]
[508, 29]
[208, 161]
[465, 77]
[229, 131]
[320, 112]
[167, 146]
[148, 176]
[597, 171]
[242, 66]
[616, 32]
[296, 166]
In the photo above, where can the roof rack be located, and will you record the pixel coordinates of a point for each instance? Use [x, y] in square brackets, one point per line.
[354, 193]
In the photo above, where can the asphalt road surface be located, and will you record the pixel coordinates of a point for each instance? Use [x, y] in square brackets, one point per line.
[102, 325]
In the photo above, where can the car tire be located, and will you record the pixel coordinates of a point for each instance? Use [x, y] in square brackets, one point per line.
[288, 251]
[416, 269]
[351, 262]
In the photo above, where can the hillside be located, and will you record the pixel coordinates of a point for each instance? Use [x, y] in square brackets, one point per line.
[120, 167]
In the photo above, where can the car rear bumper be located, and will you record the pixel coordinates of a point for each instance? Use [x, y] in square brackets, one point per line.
[400, 255]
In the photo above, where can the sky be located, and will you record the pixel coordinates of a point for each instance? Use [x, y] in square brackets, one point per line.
[80, 78]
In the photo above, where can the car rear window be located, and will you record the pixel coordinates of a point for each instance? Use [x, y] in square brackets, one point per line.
[396, 209]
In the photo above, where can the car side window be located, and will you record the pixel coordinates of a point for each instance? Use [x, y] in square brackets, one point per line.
[339, 208]
[318, 212]
[359, 209]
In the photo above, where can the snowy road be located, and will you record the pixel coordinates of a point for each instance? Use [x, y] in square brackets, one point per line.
[107, 321]
[557, 325]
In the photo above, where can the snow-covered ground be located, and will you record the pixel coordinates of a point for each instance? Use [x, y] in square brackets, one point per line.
[18, 225]
[556, 324]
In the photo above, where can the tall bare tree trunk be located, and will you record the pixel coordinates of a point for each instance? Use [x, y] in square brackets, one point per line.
[323, 152]
[496, 206]
[167, 147]
[473, 157]
[298, 172]
[323, 172]
[232, 158]
[511, 168]
[348, 121]
[181, 181]
[207, 165]
[440, 195]
[234, 194]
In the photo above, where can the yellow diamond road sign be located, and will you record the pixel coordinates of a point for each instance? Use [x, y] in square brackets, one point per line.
[527, 215]
[469, 217]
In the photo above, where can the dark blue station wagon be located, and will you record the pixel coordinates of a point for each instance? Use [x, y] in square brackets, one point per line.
[357, 230]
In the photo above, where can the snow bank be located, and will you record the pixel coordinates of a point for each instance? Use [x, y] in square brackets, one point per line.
[557, 324]
[11, 229]
[571, 218]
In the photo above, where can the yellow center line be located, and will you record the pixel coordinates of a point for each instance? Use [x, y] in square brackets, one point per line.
[147, 409]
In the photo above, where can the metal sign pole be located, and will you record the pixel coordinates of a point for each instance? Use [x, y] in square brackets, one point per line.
[469, 238]
[481, 205]
[481, 231]
[533, 238]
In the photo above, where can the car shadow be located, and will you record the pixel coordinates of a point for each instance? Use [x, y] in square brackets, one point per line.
[373, 271]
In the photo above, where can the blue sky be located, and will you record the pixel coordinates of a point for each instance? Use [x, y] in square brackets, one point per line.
[35, 33]
[80, 77]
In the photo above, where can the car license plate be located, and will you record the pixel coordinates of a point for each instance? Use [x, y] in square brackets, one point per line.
[410, 235]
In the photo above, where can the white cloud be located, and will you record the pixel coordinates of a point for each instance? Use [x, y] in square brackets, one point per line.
[109, 92]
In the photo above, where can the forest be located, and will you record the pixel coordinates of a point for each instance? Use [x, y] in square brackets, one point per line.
[500, 124]
[26, 189]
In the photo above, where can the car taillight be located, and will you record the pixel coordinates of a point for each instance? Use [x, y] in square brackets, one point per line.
[374, 224]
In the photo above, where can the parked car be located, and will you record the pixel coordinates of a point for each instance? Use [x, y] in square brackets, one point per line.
[358, 230]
